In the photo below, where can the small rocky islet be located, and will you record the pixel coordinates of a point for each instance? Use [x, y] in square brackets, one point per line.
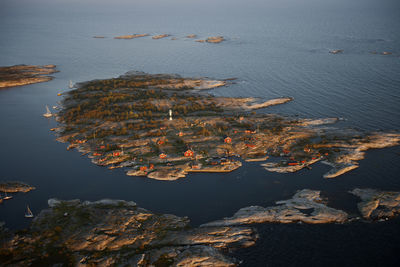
[212, 39]
[165, 126]
[15, 187]
[18, 75]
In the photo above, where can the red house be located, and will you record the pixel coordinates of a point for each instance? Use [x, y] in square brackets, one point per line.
[163, 156]
[228, 140]
[188, 153]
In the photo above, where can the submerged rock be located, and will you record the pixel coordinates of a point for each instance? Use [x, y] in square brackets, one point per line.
[14, 187]
[378, 204]
[306, 206]
[109, 232]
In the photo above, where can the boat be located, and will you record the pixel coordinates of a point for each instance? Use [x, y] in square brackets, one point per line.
[28, 213]
[71, 85]
[48, 113]
[6, 197]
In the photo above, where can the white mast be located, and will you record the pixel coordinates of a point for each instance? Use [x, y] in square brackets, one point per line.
[170, 114]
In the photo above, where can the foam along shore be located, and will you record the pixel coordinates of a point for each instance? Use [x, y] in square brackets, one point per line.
[377, 204]
[117, 232]
[18, 75]
[131, 36]
[15, 186]
[305, 206]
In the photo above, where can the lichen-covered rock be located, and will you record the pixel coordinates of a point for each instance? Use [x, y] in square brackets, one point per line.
[306, 206]
[116, 232]
[378, 204]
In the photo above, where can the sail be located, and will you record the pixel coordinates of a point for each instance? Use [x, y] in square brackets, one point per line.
[29, 213]
[71, 84]
[47, 109]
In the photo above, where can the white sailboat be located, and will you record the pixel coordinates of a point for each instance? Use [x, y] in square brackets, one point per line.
[71, 85]
[6, 197]
[48, 113]
[28, 213]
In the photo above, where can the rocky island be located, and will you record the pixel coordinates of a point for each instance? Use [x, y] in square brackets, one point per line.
[164, 126]
[160, 36]
[117, 232]
[14, 187]
[19, 75]
[131, 36]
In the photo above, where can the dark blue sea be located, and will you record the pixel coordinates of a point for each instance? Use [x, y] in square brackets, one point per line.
[274, 48]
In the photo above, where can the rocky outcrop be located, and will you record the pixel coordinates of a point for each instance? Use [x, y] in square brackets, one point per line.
[19, 75]
[306, 206]
[337, 51]
[160, 36]
[131, 36]
[376, 204]
[215, 39]
[14, 187]
[109, 232]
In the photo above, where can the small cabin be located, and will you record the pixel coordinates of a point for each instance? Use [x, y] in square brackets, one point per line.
[188, 153]
[160, 142]
[116, 154]
[143, 168]
[228, 140]
[180, 134]
[163, 156]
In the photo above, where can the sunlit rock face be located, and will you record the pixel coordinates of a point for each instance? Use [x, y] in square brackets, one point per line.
[306, 206]
[109, 232]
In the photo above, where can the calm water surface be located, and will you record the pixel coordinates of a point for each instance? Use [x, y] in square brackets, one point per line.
[273, 48]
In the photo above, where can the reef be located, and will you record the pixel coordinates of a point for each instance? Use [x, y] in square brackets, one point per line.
[19, 75]
[117, 232]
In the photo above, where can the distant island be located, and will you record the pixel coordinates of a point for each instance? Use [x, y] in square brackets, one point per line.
[19, 75]
[164, 126]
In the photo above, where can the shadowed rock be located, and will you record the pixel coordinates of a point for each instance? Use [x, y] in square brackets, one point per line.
[378, 204]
